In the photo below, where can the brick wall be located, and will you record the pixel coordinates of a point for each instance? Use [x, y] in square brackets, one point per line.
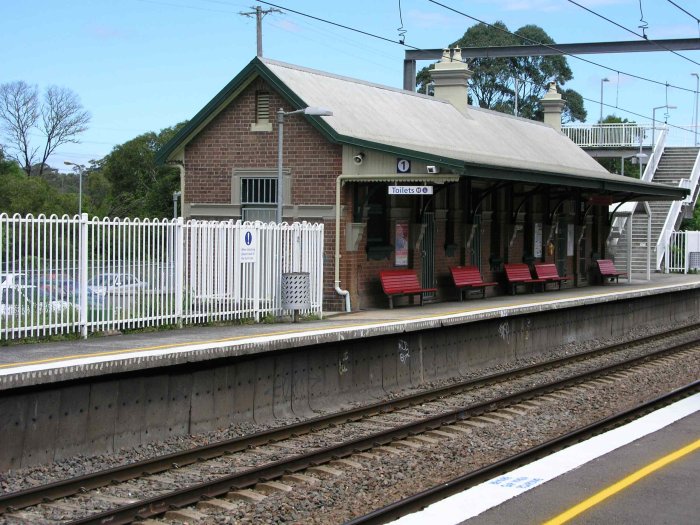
[227, 143]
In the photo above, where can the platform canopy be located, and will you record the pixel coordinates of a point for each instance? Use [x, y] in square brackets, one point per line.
[477, 143]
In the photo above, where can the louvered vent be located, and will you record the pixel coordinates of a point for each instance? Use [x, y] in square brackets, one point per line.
[263, 106]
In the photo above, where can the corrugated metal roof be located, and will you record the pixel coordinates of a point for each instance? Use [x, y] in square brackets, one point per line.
[479, 143]
[402, 119]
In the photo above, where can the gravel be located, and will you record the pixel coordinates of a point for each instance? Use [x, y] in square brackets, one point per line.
[388, 477]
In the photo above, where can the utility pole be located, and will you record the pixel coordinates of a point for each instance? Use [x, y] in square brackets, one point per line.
[259, 15]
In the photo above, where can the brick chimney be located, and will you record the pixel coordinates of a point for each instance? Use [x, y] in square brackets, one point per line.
[553, 105]
[451, 79]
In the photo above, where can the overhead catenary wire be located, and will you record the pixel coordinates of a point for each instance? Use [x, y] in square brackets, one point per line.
[385, 39]
[554, 48]
[402, 31]
[642, 36]
[340, 25]
[684, 10]
[628, 111]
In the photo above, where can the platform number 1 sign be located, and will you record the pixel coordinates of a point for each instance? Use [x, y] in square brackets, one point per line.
[403, 166]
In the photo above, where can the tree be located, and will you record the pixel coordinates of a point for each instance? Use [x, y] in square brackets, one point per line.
[140, 187]
[493, 85]
[60, 118]
[22, 194]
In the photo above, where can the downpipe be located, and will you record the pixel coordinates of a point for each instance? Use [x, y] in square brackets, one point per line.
[338, 289]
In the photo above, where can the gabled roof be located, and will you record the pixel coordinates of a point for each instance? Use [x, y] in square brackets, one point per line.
[476, 142]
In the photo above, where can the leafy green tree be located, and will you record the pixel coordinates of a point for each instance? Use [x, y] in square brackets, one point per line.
[22, 194]
[493, 83]
[139, 187]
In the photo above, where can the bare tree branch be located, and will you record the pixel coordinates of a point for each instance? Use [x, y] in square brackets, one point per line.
[19, 112]
[63, 117]
[62, 120]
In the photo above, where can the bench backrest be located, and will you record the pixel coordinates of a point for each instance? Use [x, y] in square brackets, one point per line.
[466, 275]
[398, 281]
[606, 266]
[517, 271]
[546, 270]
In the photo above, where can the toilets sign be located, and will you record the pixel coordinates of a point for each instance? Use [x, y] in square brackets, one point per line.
[248, 245]
[410, 190]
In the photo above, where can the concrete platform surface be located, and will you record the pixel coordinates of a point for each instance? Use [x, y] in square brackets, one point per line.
[27, 364]
[644, 472]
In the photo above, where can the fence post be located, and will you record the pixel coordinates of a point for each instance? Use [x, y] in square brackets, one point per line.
[83, 265]
[179, 269]
[260, 231]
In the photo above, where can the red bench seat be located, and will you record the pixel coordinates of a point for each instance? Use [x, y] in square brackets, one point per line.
[467, 278]
[608, 271]
[402, 282]
[548, 272]
[517, 274]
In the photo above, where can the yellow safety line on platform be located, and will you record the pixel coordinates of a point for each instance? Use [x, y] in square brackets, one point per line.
[623, 484]
[270, 334]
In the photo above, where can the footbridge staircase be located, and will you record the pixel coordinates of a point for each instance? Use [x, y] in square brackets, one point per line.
[641, 231]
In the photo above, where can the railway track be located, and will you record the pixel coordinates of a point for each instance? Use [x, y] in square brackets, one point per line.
[445, 489]
[379, 415]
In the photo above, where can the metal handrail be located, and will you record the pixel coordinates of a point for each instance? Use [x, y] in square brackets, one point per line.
[608, 135]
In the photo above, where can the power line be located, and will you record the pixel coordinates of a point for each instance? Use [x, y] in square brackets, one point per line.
[643, 36]
[554, 48]
[600, 102]
[686, 12]
[379, 37]
[399, 42]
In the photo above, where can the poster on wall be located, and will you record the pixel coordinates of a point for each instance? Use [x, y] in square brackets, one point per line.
[537, 248]
[570, 240]
[401, 242]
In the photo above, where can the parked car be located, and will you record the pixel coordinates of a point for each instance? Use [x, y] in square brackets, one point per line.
[21, 300]
[115, 282]
[10, 279]
[69, 290]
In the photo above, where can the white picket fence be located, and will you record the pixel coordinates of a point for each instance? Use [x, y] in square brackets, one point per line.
[61, 275]
[683, 252]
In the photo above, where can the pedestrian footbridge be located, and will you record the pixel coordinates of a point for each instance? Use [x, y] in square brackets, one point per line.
[640, 232]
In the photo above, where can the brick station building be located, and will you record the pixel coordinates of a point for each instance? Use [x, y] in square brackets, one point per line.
[474, 186]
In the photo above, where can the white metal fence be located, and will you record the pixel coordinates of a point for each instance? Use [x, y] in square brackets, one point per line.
[609, 135]
[683, 252]
[628, 135]
[60, 275]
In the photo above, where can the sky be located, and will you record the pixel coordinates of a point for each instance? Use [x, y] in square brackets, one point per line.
[144, 65]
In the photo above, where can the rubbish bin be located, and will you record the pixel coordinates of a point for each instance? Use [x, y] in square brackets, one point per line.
[296, 294]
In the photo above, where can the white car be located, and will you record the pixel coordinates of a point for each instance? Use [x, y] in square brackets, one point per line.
[10, 279]
[21, 300]
[115, 282]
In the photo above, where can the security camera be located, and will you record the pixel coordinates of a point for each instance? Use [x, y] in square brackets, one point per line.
[433, 169]
[359, 158]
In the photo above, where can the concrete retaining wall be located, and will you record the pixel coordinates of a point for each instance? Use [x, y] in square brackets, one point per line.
[43, 423]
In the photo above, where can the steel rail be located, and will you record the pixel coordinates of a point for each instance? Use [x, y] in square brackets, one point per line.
[157, 505]
[443, 490]
[60, 489]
